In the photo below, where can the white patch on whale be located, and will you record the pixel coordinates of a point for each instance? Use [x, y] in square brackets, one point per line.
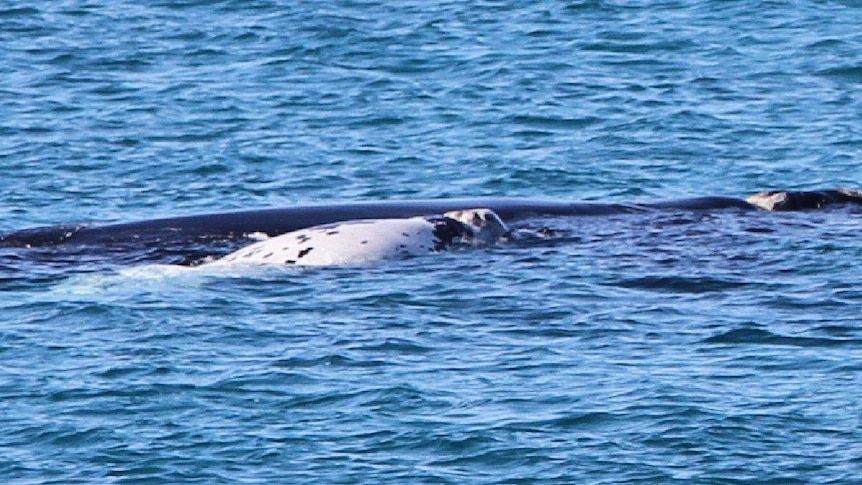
[365, 241]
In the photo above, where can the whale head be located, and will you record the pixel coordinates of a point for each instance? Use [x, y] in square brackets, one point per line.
[483, 225]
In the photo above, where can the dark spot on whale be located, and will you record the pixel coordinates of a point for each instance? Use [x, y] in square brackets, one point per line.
[364, 241]
[332, 232]
[405, 234]
[446, 231]
[304, 252]
[302, 237]
[290, 261]
[267, 255]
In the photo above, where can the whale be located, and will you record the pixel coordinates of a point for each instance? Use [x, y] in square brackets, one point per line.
[189, 239]
[365, 241]
[189, 230]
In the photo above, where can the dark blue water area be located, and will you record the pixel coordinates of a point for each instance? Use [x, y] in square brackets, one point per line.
[719, 347]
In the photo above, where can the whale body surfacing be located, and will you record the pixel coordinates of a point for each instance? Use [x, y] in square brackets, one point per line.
[365, 241]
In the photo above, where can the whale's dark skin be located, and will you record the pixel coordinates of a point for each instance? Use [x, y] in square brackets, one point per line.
[177, 232]
[278, 221]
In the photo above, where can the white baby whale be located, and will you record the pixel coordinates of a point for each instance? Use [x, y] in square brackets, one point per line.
[365, 241]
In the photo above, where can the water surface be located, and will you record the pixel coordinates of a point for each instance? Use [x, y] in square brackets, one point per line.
[676, 347]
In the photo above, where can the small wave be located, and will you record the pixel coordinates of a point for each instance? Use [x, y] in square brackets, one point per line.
[851, 74]
[758, 336]
[678, 284]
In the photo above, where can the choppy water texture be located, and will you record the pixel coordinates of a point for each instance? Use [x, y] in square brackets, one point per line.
[676, 347]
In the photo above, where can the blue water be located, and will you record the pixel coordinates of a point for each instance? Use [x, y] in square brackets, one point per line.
[681, 347]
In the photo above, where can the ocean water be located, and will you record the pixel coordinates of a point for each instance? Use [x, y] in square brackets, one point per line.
[715, 347]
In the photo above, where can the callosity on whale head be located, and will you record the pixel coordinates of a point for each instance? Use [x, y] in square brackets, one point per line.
[484, 225]
[782, 200]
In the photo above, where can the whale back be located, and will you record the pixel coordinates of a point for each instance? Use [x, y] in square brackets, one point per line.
[364, 241]
[349, 243]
